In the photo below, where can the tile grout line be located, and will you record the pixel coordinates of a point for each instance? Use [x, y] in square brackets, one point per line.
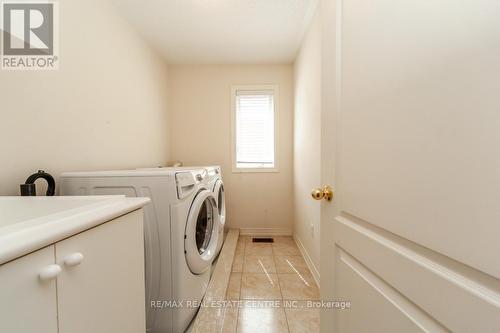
[241, 282]
[281, 292]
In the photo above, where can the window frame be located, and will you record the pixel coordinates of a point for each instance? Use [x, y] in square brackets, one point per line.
[234, 90]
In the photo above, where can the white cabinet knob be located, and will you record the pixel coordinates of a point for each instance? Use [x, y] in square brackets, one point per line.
[50, 272]
[73, 259]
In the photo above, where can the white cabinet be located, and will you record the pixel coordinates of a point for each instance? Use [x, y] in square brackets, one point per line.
[28, 304]
[101, 287]
[94, 282]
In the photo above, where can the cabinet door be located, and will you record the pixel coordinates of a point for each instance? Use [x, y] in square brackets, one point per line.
[28, 303]
[101, 288]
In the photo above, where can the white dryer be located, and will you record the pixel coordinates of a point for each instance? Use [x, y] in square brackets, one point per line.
[214, 180]
[181, 235]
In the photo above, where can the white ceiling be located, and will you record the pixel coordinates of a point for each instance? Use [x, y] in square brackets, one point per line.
[221, 31]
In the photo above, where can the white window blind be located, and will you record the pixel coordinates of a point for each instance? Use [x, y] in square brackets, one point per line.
[255, 129]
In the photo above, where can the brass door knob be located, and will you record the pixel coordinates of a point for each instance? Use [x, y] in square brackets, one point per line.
[323, 193]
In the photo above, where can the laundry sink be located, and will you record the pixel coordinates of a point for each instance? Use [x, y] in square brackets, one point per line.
[29, 223]
[14, 210]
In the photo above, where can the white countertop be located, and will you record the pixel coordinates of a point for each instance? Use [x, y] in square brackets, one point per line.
[31, 223]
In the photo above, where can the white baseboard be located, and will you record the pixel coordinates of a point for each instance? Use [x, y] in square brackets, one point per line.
[309, 262]
[262, 232]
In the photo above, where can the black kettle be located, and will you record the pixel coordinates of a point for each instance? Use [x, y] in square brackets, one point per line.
[29, 188]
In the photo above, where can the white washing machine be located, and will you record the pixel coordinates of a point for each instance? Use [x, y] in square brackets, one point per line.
[181, 235]
[212, 176]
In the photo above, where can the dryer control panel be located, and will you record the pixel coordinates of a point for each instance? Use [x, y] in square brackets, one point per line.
[186, 182]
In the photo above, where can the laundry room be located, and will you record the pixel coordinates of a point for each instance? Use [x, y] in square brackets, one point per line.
[242, 166]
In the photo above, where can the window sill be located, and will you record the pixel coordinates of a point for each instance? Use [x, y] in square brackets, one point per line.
[255, 170]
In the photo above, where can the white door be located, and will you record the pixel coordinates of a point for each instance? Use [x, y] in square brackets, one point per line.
[412, 148]
[28, 293]
[101, 288]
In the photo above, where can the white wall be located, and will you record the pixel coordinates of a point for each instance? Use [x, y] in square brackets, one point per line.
[104, 108]
[200, 106]
[307, 143]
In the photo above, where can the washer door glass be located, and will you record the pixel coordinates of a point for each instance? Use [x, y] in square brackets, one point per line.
[204, 226]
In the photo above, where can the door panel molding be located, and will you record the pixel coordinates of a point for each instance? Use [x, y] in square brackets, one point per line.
[428, 279]
[407, 308]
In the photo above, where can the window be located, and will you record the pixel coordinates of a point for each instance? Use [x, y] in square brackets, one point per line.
[254, 128]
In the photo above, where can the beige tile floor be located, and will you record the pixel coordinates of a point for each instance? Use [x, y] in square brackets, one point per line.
[266, 278]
